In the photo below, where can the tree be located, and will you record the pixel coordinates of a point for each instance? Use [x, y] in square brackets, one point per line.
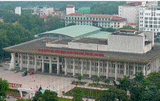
[3, 87]
[139, 77]
[77, 97]
[47, 96]
[128, 27]
[23, 100]
[107, 81]
[40, 88]
[110, 30]
[124, 83]
[79, 77]
[155, 78]
[97, 79]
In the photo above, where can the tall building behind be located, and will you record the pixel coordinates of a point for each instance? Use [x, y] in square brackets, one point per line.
[149, 19]
[70, 9]
[18, 10]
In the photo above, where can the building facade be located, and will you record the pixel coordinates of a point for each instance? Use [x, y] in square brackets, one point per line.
[149, 18]
[89, 56]
[18, 10]
[70, 9]
[105, 21]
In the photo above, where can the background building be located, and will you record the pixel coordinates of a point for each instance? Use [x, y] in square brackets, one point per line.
[84, 10]
[18, 10]
[105, 21]
[70, 9]
[149, 19]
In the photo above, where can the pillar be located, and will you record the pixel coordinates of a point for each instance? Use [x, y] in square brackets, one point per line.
[35, 65]
[65, 66]
[116, 70]
[73, 67]
[18, 59]
[134, 69]
[144, 70]
[27, 62]
[57, 65]
[107, 71]
[125, 68]
[42, 64]
[20, 93]
[50, 64]
[13, 63]
[81, 67]
[90, 68]
[21, 61]
[98, 68]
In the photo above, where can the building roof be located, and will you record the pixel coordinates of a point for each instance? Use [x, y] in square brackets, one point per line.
[32, 47]
[99, 15]
[69, 6]
[74, 31]
[100, 35]
[75, 14]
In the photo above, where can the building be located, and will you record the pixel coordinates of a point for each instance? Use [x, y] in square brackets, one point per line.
[70, 9]
[59, 14]
[105, 21]
[129, 11]
[46, 11]
[18, 10]
[122, 53]
[149, 19]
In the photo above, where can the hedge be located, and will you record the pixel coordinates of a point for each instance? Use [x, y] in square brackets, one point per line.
[78, 82]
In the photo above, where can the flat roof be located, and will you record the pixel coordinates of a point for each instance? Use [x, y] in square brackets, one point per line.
[61, 41]
[100, 35]
[74, 31]
[91, 40]
[32, 47]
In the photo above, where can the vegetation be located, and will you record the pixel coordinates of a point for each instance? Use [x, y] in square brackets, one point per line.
[108, 29]
[3, 88]
[100, 85]
[84, 92]
[78, 82]
[47, 96]
[23, 100]
[79, 77]
[76, 96]
[96, 79]
[128, 27]
[64, 99]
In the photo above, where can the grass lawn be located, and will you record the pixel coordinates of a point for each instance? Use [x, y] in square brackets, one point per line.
[64, 99]
[86, 93]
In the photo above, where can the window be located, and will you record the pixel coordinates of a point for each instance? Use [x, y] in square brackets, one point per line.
[46, 57]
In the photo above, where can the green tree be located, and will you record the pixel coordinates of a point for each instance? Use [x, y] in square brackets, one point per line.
[107, 81]
[71, 24]
[139, 77]
[124, 83]
[128, 27]
[77, 97]
[38, 96]
[97, 79]
[79, 77]
[3, 87]
[23, 100]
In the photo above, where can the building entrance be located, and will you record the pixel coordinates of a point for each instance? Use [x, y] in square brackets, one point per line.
[54, 68]
[46, 67]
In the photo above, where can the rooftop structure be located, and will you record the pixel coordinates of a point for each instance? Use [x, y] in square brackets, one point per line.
[70, 9]
[18, 10]
[75, 31]
[84, 10]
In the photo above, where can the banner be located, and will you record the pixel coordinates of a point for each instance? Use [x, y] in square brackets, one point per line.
[14, 85]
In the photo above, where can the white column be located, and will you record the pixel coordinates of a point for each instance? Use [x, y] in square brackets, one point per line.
[73, 67]
[21, 61]
[65, 66]
[98, 68]
[50, 64]
[144, 70]
[27, 62]
[116, 70]
[57, 65]
[134, 68]
[13, 63]
[125, 68]
[20, 93]
[42, 64]
[18, 59]
[107, 71]
[81, 67]
[35, 65]
[90, 68]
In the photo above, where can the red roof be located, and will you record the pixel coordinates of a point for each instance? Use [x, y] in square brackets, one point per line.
[75, 14]
[132, 24]
[134, 3]
[99, 15]
[69, 6]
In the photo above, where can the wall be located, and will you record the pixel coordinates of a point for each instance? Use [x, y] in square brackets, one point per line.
[70, 10]
[123, 43]
[55, 45]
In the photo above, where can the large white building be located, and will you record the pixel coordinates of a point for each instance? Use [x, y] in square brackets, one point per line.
[48, 11]
[149, 19]
[70, 9]
[122, 53]
[18, 10]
